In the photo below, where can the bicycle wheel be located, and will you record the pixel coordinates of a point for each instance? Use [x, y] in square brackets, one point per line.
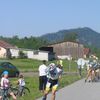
[5, 98]
[15, 91]
[25, 91]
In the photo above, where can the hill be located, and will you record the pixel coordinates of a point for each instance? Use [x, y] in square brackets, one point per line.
[85, 35]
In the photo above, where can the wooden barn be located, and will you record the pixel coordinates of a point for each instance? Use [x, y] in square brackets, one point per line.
[67, 49]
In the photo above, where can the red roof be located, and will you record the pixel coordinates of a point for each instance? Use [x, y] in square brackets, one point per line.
[6, 45]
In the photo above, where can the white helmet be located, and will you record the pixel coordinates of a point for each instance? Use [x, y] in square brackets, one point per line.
[52, 66]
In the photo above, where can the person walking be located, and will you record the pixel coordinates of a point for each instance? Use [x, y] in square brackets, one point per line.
[42, 76]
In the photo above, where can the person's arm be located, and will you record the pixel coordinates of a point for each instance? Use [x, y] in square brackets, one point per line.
[18, 82]
[2, 83]
[60, 71]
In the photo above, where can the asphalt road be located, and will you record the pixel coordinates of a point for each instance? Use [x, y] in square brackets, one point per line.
[79, 91]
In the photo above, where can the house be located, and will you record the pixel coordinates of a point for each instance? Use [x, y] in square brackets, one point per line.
[7, 49]
[40, 55]
[65, 50]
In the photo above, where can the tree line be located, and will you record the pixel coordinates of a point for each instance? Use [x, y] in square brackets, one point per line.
[25, 42]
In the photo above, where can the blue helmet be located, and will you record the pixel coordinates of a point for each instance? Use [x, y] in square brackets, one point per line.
[5, 73]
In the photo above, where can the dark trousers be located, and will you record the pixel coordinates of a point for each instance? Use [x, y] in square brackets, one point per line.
[80, 71]
[42, 82]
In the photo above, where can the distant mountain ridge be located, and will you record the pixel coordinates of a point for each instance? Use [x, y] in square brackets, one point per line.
[85, 35]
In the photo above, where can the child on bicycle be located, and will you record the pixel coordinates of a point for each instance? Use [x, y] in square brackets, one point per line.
[21, 83]
[5, 86]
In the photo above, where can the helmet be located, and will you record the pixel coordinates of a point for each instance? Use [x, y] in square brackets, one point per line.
[52, 66]
[5, 73]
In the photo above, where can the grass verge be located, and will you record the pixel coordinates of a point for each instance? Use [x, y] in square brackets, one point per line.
[32, 83]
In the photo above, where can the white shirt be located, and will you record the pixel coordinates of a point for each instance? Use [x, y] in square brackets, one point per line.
[42, 70]
[4, 83]
[21, 82]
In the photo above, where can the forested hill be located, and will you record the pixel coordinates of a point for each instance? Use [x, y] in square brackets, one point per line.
[84, 35]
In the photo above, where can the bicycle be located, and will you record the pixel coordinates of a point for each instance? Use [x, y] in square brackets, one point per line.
[24, 91]
[6, 95]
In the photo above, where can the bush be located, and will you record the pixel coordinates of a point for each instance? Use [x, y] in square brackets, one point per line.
[22, 55]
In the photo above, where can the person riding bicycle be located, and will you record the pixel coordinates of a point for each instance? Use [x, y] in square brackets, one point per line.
[5, 87]
[21, 83]
[91, 71]
[53, 75]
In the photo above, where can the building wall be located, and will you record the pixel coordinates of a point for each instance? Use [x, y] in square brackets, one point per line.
[14, 53]
[2, 52]
[39, 55]
[69, 48]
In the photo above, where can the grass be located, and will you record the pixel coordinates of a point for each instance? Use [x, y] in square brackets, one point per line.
[32, 84]
[32, 65]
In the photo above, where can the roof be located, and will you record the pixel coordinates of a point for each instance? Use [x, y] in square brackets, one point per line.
[65, 42]
[6, 45]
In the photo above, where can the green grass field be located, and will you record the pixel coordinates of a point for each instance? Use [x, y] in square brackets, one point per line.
[32, 65]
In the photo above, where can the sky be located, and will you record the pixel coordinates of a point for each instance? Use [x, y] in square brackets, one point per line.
[37, 17]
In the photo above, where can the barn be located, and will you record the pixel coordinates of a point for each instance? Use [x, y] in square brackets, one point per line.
[66, 49]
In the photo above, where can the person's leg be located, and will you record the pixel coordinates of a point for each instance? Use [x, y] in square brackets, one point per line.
[41, 83]
[1, 94]
[45, 95]
[80, 71]
[45, 82]
[53, 94]
[93, 76]
[13, 96]
[0, 97]
[46, 91]
[88, 75]
[54, 89]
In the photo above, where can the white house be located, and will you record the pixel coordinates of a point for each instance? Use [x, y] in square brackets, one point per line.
[6, 49]
[40, 55]
[14, 52]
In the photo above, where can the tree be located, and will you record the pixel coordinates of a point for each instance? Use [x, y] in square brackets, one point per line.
[72, 37]
[22, 55]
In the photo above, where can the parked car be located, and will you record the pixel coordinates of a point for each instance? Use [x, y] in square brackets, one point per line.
[13, 71]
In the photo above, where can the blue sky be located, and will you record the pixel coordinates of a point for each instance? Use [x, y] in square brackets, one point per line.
[37, 17]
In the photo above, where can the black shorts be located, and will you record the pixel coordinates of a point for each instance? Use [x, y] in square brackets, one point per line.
[53, 82]
[42, 82]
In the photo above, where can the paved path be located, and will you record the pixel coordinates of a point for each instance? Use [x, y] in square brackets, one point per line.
[79, 91]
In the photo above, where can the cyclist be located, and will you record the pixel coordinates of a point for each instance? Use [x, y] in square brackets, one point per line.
[5, 86]
[91, 71]
[53, 75]
[21, 83]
